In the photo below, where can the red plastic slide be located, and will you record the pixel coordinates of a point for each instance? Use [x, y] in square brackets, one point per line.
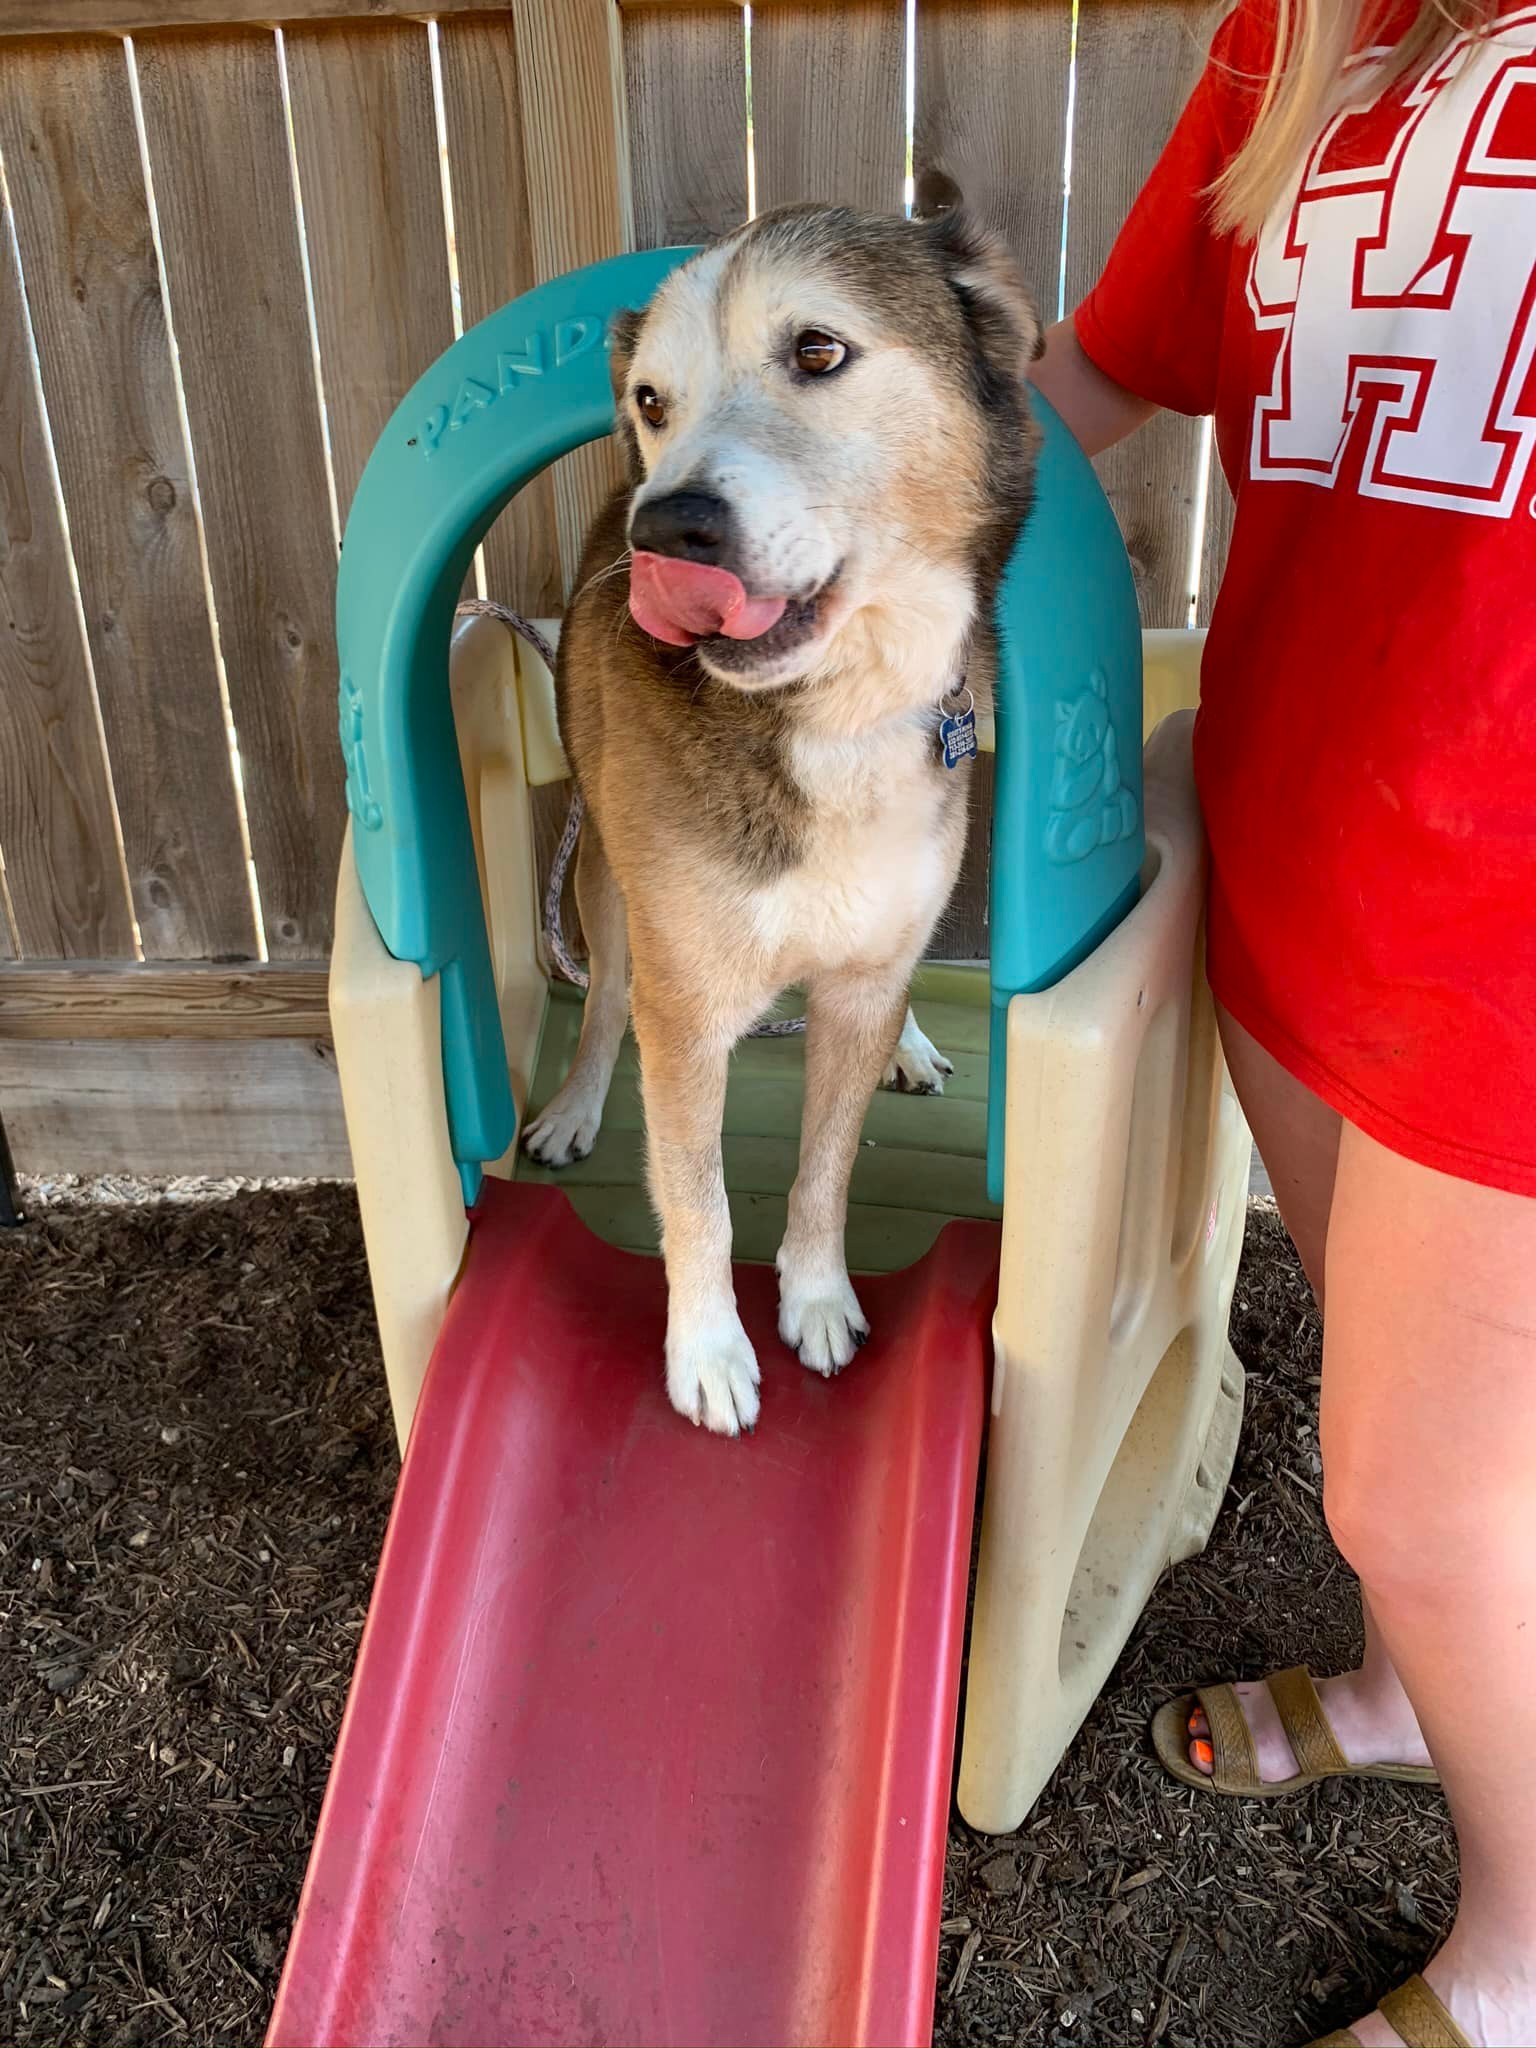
[651, 1733]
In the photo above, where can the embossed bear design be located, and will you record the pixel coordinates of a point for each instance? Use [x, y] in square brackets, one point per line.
[1090, 805]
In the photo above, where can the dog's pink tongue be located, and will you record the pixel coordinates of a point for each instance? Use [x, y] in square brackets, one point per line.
[681, 602]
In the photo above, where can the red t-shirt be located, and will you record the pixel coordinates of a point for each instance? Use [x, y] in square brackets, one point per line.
[1366, 743]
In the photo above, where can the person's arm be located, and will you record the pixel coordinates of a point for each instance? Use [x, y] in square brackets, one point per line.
[1148, 335]
[1097, 409]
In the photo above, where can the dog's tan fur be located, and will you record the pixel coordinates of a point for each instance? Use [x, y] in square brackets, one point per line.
[757, 818]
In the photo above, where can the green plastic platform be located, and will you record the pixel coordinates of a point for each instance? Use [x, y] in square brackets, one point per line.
[922, 1159]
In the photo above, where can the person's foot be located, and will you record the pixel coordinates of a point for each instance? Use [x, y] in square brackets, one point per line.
[1493, 2003]
[1371, 1719]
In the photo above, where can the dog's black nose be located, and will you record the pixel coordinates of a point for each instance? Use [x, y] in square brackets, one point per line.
[693, 525]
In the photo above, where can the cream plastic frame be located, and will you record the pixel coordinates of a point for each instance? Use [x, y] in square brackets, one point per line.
[1116, 1398]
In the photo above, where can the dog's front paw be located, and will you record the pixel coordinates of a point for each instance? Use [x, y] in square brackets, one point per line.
[820, 1318]
[712, 1376]
[566, 1130]
[918, 1067]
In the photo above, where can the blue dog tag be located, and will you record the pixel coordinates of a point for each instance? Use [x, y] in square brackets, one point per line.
[957, 734]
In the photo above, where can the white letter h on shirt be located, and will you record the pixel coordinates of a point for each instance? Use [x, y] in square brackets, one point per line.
[1403, 293]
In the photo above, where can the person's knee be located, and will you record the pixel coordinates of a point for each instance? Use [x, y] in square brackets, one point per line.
[1408, 1539]
[1378, 1536]
[1365, 1520]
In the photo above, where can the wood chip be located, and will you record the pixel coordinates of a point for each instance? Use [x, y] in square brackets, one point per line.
[968, 1956]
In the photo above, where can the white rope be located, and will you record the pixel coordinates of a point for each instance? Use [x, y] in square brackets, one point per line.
[554, 921]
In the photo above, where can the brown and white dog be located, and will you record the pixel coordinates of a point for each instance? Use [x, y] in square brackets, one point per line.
[831, 457]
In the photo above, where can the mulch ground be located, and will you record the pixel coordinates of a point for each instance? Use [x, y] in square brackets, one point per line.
[196, 1463]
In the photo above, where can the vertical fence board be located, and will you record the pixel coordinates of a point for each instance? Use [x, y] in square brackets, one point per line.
[366, 139]
[1135, 69]
[495, 256]
[1219, 514]
[62, 869]
[992, 80]
[829, 104]
[219, 156]
[494, 232]
[991, 112]
[576, 148]
[87, 250]
[686, 72]
[1151, 483]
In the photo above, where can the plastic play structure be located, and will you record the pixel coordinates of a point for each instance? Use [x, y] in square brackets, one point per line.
[651, 1736]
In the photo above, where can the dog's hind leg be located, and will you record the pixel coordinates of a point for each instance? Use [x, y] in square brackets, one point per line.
[567, 1129]
[853, 1021]
[712, 1375]
[917, 1067]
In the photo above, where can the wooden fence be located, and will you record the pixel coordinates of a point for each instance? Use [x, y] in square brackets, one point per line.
[232, 239]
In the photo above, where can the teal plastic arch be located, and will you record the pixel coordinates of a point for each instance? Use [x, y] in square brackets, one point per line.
[510, 397]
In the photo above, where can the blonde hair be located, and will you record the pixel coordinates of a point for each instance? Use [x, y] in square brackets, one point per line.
[1314, 40]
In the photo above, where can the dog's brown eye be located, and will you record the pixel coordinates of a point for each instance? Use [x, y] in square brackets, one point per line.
[817, 353]
[651, 406]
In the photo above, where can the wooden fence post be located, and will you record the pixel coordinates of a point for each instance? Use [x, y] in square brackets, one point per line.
[576, 146]
[1135, 68]
[64, 878]
[104, 352]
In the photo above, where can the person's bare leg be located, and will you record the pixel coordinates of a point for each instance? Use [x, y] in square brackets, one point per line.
[1298, 1139]
[1429, 1447]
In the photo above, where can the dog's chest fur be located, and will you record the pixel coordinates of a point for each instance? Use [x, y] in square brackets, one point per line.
[754, 847]
[876, 855]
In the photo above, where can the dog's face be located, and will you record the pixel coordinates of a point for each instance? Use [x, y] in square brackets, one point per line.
[827, 424]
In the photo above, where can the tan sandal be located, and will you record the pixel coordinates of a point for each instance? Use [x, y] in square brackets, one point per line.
[1417, 2018]
[1235, 1768]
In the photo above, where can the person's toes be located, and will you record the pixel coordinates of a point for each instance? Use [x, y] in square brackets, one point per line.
[1276, 1761]
[1201, 1753]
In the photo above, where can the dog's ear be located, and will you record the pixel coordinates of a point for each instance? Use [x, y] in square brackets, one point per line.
[623, 333]
[935, 194]
[985, 279]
